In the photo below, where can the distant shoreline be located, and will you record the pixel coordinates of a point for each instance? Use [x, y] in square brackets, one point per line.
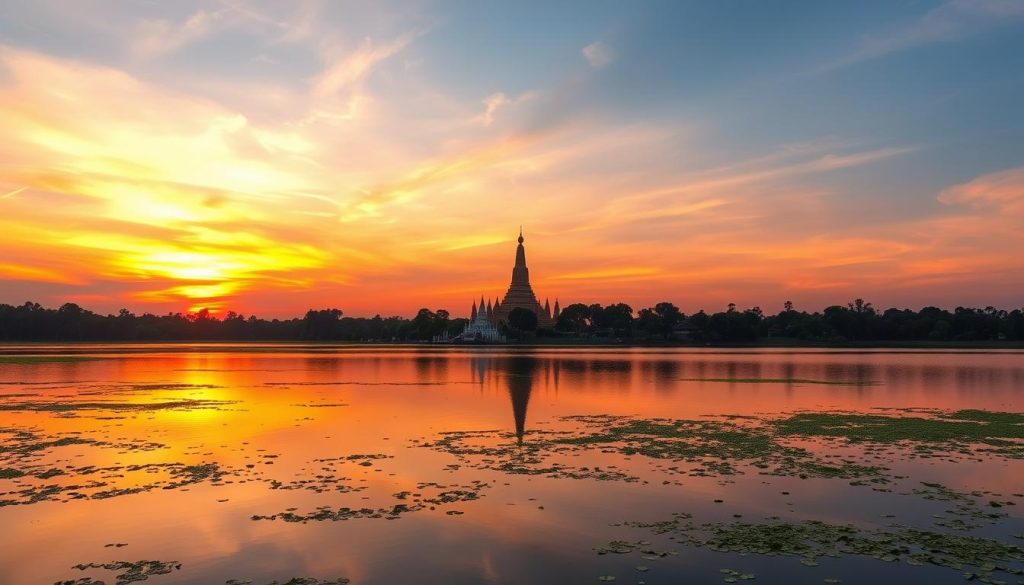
[541, 344]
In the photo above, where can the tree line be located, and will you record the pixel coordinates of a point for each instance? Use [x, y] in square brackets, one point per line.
[857, 321]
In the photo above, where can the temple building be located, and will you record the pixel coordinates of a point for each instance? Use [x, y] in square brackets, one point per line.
[480, 328]
[519, 295]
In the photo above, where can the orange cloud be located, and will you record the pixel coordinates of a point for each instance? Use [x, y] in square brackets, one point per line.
[286, 198]
[1003, 190]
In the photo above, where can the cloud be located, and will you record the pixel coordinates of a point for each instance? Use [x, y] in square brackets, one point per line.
[492, 104]
[10, 194]
[598, 54]
[142, 195]
[338, 91]
[184, 190]
[160, 37]
[1002, 191]
[950, 21]
[497, 102]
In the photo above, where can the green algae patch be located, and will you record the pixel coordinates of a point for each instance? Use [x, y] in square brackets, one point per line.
[74, 405]
[429, 496]
[941, 433]
[710, 448]
[964, 512]
[126, 572]
[811, 539]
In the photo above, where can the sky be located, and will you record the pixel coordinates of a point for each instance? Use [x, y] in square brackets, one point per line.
[378, 157]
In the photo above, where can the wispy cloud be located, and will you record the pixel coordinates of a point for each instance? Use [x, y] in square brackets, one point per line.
[343, 160]
[950, 21]
[1002, 191]
[159, 37]
[598, 54]
[10, 194]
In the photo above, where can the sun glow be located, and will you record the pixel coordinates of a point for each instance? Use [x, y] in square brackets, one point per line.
[259, 190]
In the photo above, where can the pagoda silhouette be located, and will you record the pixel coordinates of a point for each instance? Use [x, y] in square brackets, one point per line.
[520, 295]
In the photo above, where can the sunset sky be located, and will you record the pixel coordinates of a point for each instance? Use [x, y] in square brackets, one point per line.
[378, 157]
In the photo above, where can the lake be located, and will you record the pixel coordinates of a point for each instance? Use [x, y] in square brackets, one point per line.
[256, 464]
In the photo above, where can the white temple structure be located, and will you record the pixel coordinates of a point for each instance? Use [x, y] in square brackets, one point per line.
[480, 327]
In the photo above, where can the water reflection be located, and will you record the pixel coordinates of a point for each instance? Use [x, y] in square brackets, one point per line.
[520, 372]
[291, 411]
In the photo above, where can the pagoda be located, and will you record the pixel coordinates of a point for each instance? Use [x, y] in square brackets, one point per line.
[480, 328]
[520, 295]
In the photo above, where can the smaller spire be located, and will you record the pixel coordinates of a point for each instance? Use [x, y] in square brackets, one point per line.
[520, 234]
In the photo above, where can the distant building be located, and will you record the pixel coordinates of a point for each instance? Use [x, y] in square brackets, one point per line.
[486, 319]
[520, 295]
[480, 327]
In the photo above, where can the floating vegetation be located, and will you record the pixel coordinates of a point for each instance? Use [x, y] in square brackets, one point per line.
[177, 475]
[732, 575]
[962, 426]
[29, 460]
[292, 581]
[325, 478]
[406, 502]
[72, 406]
[794, 381]
[812, 539]
[758, 462]
[731, 445]
[714, 447]
[966, 513]
[962, 432]
[120, 389]
[130, 571]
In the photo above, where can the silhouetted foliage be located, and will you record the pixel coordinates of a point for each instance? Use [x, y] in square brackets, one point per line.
[32, 322]
[856, 321]
[575, 318]
[522, 320]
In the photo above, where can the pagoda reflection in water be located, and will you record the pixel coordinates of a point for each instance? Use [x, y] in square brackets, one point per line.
[519, 374]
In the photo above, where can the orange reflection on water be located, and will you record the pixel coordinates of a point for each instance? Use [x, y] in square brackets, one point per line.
[276, 420]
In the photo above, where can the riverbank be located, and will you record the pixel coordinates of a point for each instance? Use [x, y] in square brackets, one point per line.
[34, 347]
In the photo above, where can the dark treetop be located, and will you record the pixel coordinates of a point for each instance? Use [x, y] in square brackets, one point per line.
[854, 322]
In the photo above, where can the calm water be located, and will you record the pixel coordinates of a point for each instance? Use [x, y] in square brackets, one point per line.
[267, 463]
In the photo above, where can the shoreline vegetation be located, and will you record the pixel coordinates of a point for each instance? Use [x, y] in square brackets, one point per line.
[856, 325]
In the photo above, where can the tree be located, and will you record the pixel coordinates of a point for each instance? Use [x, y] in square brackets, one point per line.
[856, 320]
[423, 324]
[321, 325]
[860, 307]
[649, 322]
[522, 320]
[619, 318]
[574, 318]
[670, 316]
[701, 324]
